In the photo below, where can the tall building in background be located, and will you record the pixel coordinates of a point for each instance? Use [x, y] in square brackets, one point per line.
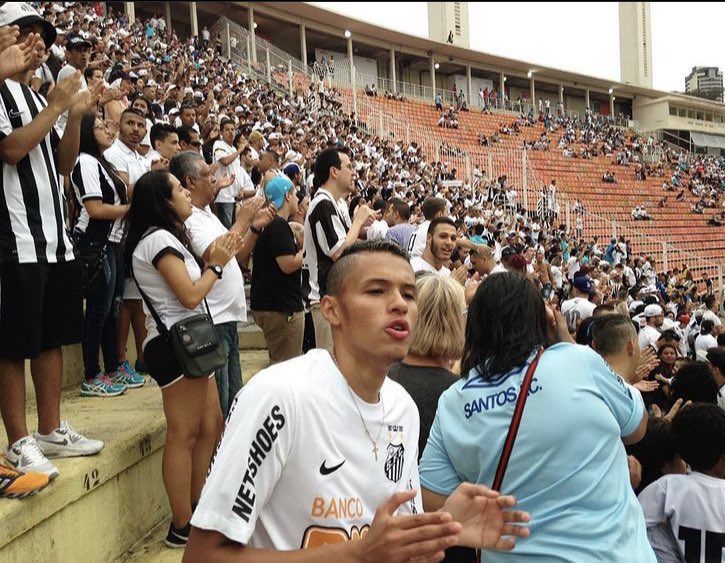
[705, 82]
[635, 43]
[448, 23]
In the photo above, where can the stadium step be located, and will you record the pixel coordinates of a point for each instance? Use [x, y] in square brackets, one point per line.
[100, 506]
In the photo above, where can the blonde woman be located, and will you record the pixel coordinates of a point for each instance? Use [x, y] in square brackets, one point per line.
[438, 340]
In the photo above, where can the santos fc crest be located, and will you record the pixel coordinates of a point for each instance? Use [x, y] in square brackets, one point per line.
[394, 462]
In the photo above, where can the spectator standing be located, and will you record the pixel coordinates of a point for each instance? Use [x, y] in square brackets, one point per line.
[276, 298]
[40, 277]
[650, 333]
[578, 307]
[432, 207]
[77, 57]
[401, 229]
[226, 300]
[227, 159]
[102, 197]
[371, 306]
[551, 470]
[440, 244]
[130, 166]
[328, 230]
[160, 255]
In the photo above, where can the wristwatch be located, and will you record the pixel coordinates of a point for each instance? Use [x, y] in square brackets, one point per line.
[255, 230]
[216, 268]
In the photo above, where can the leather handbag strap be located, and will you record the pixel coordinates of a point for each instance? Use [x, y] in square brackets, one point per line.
[515, 423]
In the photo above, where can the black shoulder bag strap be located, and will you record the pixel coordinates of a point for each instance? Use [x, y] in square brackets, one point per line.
[515, 423]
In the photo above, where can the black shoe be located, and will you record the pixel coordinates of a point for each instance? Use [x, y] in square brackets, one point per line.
[177, 537]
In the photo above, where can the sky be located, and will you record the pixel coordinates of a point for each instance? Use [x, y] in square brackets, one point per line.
[581, 37]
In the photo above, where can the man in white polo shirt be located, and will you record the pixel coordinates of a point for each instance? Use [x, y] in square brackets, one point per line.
[439, 246]
[226, 300]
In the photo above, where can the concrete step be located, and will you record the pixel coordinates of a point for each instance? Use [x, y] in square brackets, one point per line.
[100, 506]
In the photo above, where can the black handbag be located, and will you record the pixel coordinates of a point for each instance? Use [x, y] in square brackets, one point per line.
[92, 257]
[194, 340]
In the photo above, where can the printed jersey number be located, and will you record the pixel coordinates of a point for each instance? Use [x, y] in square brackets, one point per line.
[714, 545]
[572, 317]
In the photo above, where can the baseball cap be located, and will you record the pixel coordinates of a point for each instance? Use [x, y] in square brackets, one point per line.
[277, 188]
[76, 41]
[23, 14]
[652, 311]
[584, 284]
[291, 169]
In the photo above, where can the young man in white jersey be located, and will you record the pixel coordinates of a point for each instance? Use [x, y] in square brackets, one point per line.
[322, 449]
[692, 505]
[578, 307]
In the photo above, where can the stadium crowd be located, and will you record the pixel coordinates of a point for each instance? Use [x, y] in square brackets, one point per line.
[404, 311]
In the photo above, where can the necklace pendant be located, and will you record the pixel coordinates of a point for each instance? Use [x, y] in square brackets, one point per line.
[375, 451]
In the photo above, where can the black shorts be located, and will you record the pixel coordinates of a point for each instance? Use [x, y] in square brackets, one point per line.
[158, 355]
[41, 308]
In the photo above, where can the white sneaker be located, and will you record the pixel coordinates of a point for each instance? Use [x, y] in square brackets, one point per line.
[66, 442]
[25, 455]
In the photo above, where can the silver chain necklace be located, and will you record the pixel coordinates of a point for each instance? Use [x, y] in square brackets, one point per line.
[374, 442]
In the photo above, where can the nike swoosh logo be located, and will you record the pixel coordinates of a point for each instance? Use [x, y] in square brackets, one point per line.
[324, 470]
[63, 442]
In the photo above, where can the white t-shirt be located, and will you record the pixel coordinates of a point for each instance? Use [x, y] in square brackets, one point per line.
[149, 251]
[694, 506]
[226, 299]
[705, 342]
[420, 265]
[378, 230]
[221, 150]
[63, 73]
[127, 161]
[416, 244]
[557, 278]
[498, 269]
[295, 469]
[711, 316]
[648, 336]
[576, 310]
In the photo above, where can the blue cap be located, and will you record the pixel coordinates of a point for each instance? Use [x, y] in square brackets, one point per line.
[277, 188]
[584, 284]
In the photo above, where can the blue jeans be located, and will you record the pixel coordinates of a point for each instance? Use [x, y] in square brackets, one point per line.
[229, 377]
[100, 321]
[225, 213]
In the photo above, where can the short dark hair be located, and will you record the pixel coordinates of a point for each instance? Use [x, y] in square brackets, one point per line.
[698, 431]
[709, 301]
[160, 131]
[184, 132]
[654, 450]
[694, 382]
[131, 111]
[432, 206]
[439, 221]
[506, 323]
[610, 333]
[401, 207]
[343, 266]
[224, 122]
[706, 326]
[327, 159]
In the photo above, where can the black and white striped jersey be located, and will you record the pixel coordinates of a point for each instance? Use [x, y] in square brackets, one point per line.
[326, 227]
[33, 226]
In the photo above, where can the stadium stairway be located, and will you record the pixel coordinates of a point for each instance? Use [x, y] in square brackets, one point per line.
[102, 508]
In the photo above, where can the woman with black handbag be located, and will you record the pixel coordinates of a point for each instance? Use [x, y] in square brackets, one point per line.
[181, 346]
[103, 203]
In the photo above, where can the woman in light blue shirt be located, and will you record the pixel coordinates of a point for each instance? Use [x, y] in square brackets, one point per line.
[568, 467]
